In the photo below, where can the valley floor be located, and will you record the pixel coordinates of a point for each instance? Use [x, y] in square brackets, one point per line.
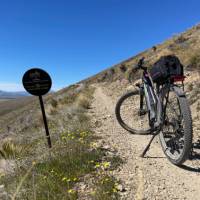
[153, 177]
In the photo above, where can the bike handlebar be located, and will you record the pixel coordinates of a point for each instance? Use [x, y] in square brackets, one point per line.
[140, 64]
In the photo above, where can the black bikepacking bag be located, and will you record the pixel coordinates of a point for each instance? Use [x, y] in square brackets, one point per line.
[166, 67]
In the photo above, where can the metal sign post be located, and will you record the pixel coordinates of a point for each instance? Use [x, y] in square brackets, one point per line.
[45, 121]
[38, 82]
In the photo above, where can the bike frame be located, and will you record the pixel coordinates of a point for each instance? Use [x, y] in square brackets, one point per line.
[153, 103]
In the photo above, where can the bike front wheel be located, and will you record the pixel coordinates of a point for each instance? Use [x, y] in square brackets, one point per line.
[176, 134]
[129, 114]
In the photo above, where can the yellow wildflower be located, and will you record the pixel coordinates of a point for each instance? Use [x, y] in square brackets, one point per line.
[114, 190]
[97, 165]
[106, 164]
[64, 137]
[93, 144]
[116, 185]
[71, 191]
[64, 178]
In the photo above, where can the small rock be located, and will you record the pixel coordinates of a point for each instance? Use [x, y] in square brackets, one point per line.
[109, 153]
[83, 187]
[121, 188]
[106, 147]
[97, 123]
[1, 188]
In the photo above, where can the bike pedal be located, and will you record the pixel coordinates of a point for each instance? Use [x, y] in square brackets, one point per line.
[137, 85]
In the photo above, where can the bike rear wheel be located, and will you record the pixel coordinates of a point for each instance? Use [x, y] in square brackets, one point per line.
[128, 113]
[176, 134]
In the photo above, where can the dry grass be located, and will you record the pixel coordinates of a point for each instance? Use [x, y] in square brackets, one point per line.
[44, 174]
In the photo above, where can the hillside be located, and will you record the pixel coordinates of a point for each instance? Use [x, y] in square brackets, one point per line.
[92, 156]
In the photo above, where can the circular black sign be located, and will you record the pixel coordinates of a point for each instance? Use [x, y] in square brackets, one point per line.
[37, 82]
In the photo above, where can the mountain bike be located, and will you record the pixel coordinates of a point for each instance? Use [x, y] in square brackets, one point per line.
[158, 109]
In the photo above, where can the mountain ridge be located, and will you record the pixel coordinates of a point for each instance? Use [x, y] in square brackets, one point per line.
[12, 95]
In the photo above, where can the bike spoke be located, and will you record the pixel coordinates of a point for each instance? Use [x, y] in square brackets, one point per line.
[173, 132]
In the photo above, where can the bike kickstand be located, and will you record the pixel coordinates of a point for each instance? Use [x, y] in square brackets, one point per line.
[148, 146]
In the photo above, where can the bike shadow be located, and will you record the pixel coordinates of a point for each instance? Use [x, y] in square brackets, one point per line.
[157, 157]
[195, 155]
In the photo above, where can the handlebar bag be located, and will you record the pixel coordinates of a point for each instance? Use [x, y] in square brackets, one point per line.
[166, 67]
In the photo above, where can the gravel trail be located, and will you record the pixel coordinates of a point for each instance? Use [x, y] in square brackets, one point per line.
[153, 177]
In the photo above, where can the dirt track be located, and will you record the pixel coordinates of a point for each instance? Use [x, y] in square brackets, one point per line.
[153, 177]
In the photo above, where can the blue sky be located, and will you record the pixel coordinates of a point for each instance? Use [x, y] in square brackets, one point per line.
[73, 40]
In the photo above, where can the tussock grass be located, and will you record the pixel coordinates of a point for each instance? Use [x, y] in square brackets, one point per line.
[129, 75]
[83, 102]
[54, 103]
[123, 68]
[11, 150]
[198, 106]
[195, 61]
